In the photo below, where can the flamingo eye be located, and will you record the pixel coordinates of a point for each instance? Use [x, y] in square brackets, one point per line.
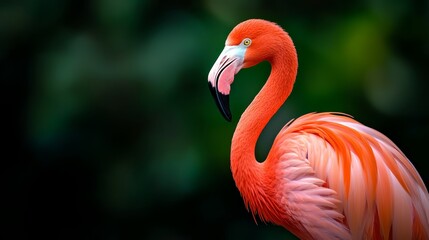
[247, 42]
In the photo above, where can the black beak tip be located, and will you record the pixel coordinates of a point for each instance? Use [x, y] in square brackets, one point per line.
[228, 118]
[222, 102]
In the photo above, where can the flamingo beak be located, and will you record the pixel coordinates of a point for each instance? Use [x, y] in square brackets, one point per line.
[221, 76]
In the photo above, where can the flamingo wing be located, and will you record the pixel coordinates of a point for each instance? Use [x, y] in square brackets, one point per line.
[329, 166]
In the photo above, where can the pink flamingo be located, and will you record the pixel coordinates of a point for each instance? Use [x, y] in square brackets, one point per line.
[326, 176]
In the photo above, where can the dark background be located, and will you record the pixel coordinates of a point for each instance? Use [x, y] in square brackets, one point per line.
[109, 130]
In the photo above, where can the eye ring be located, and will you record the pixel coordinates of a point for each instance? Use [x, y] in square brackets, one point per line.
[247, 42]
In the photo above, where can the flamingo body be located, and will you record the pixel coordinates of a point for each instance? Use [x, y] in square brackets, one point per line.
[326, 176]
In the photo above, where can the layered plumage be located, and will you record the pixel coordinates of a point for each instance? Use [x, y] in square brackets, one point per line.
[331, 166]
[326, 176]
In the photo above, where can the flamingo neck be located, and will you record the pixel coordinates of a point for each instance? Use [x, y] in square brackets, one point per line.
[247, 172]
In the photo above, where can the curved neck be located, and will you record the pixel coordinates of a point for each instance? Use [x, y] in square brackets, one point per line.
[274, 93]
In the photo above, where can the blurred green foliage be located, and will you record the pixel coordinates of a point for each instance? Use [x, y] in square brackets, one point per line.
[112, 132]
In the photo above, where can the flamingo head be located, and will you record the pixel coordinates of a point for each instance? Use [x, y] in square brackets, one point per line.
[248, 44]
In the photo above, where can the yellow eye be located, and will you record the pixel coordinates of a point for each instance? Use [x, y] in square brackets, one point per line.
[247, 42]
